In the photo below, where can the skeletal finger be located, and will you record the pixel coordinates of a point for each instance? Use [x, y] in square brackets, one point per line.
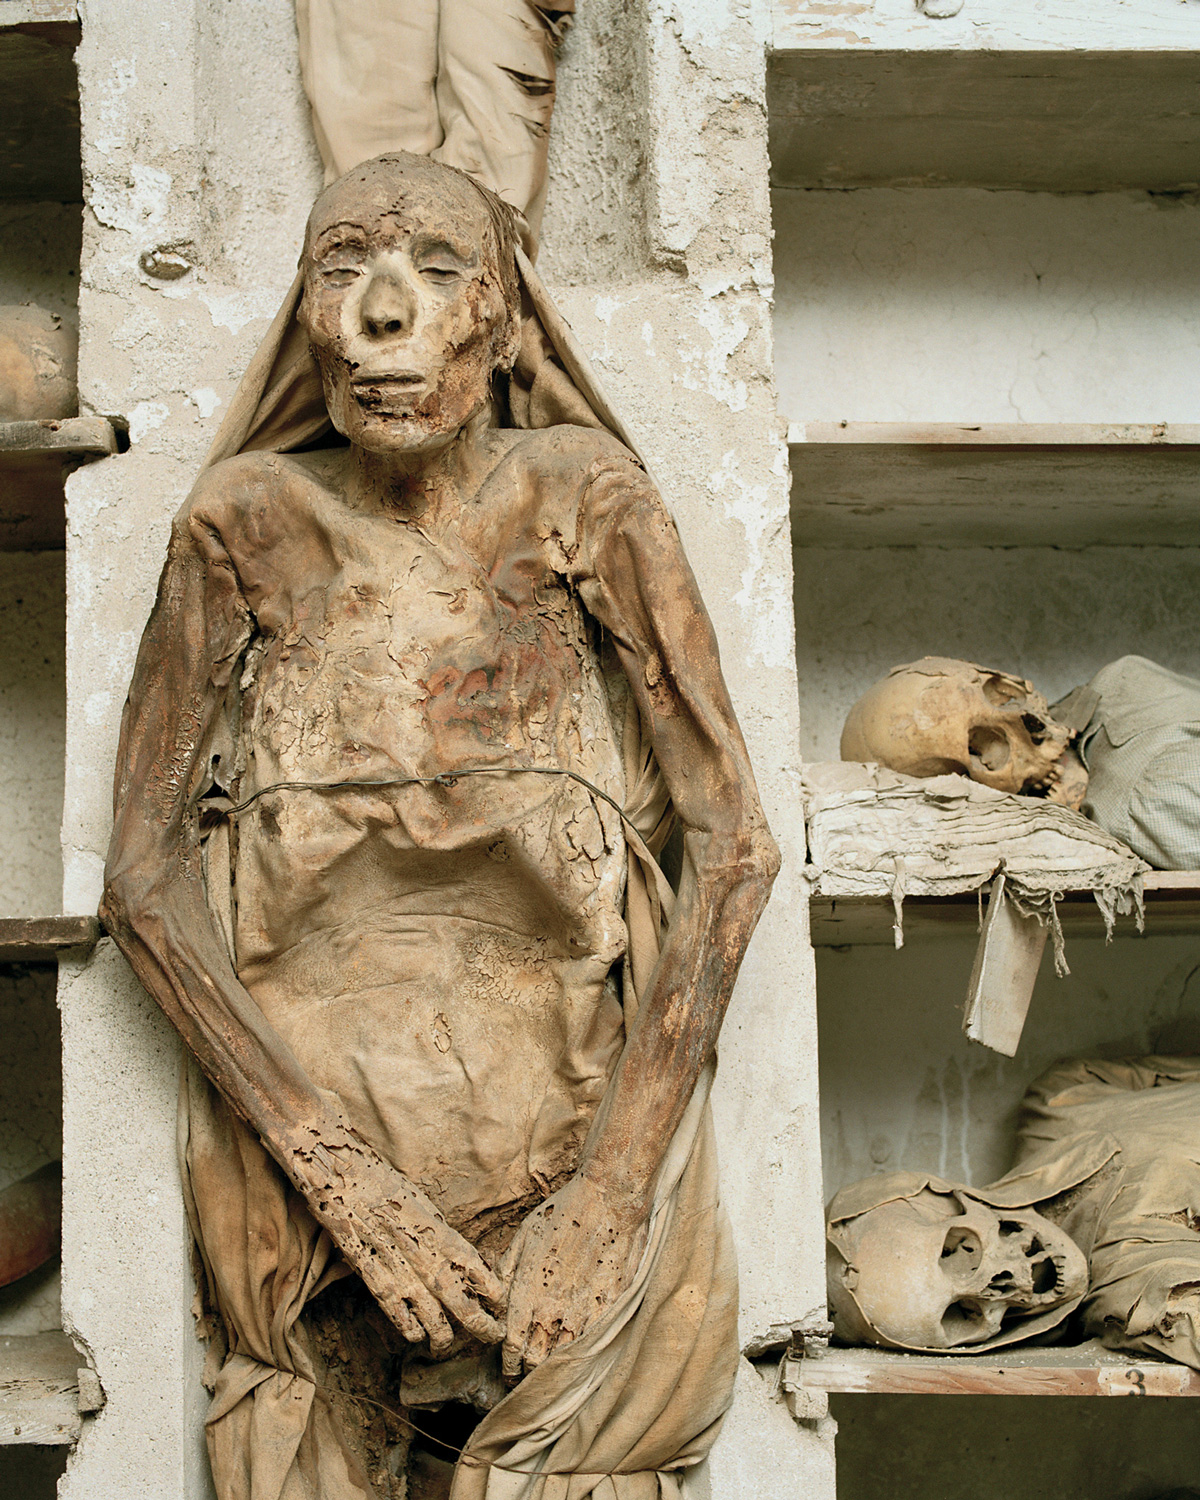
[402, 1316]
[394, 1286]
[488, 1287]
[540, 1342]
[456, 1296]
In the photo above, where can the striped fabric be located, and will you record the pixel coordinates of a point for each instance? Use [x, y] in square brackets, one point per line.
[1139, 737]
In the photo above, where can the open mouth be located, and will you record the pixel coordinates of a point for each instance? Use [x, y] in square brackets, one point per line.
[397, 388]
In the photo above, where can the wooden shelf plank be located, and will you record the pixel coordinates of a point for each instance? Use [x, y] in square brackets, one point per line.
[78, 437]
[1083, 1370]
[1001, 434]
[36, 939]
[39, 1389]
[1172, 907]
[34, 458]
[882, 484]
[37, 12]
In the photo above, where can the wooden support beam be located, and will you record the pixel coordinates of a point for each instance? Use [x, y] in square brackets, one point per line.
[39, 1389]
[36, 939]
[1084, 1370]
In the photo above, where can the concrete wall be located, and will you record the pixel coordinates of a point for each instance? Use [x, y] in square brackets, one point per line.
[903, 1089]
[195, 135]
[39, 255]
[959, 305]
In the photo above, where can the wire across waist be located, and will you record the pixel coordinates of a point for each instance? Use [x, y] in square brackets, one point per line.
[447, 779]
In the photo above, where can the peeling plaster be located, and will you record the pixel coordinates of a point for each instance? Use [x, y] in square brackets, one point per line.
[138, 203]
[707, 370]
[764, 597]
[145, 417]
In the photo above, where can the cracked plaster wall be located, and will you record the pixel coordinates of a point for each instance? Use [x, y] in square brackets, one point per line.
[903, 1089]
[657, 241]
[962, 305]
[39, 256]
[195, 136]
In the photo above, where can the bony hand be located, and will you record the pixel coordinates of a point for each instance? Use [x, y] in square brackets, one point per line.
[568, 1263]
[422, 1272]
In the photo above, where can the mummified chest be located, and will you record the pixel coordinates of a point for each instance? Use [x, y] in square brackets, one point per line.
[404, 650]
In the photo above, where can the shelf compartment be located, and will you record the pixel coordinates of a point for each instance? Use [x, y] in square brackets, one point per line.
[38, 939]
[39, 104]
[39, 1389]
[888, 484]
[1044, 121]
[35, 457]
[1172, 908]
[1083, 1370]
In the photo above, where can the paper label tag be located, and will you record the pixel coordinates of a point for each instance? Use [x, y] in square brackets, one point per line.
[1144, 1380]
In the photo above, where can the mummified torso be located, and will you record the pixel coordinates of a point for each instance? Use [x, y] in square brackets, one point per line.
[441, 957]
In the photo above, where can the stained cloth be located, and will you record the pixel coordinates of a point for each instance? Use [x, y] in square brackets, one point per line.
[1138, 1223]
[635, 1403]
[1139, 738]
[639, 1399]
[467, 82]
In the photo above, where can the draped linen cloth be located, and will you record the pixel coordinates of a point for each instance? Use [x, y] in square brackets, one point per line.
[467, 82]
[1110, 1151]
[1139, 738]
[630, 1408]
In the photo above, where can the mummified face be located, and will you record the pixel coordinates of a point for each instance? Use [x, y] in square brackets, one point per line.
[405, 306]
[941, 1270]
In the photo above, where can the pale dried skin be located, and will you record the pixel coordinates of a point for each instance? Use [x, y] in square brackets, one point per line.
[938, 715]
[423, 1017]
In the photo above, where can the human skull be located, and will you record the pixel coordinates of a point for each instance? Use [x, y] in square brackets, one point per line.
[37, 365]
[942, 1270]
[938, 715]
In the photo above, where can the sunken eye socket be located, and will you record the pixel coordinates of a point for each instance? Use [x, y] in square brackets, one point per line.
[340, 275]
[961, 1248]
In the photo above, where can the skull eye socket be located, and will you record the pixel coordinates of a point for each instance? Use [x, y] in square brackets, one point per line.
[962, 1249]
[989, 748]
[962, 1322]
[998, 692]
[1035, 727]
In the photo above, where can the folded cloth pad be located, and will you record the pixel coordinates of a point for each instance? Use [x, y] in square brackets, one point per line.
[875, 832]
